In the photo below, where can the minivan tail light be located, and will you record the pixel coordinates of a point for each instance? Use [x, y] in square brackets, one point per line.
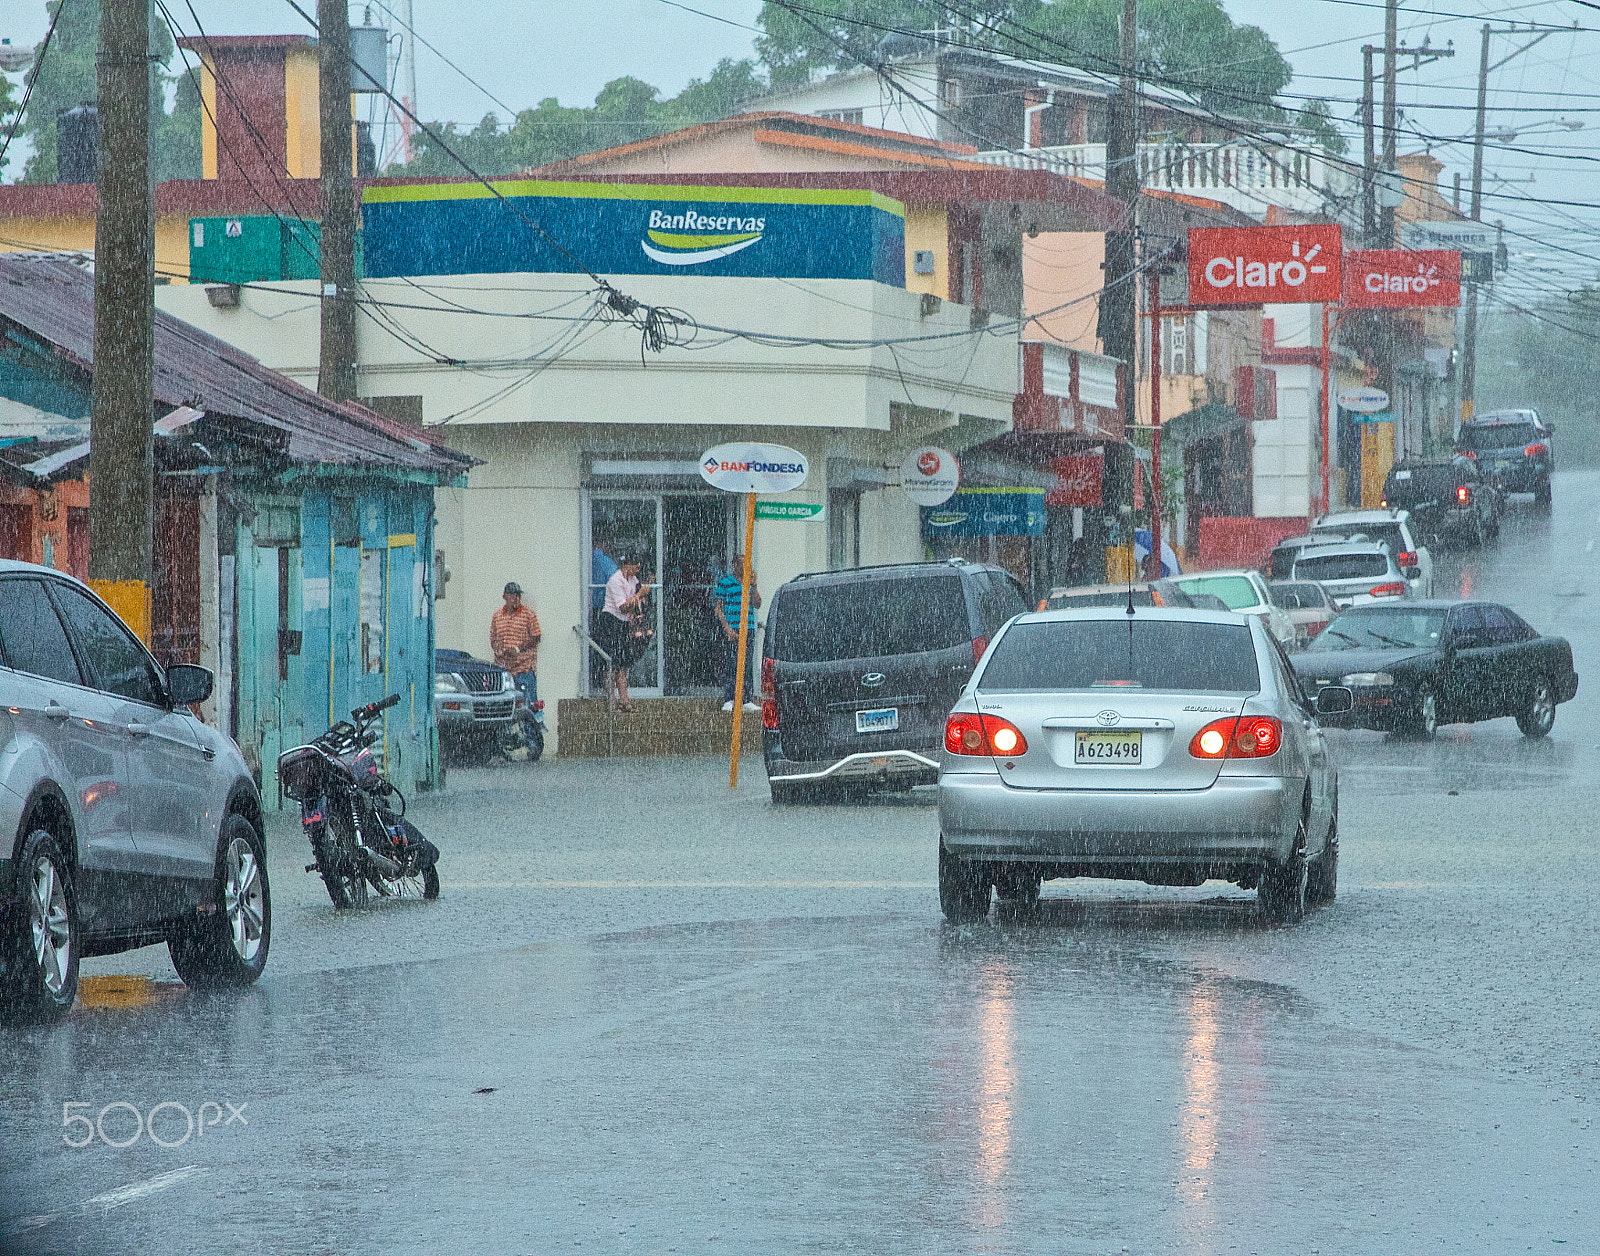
[1470, 453]
[1407, 558]
[1238, 737]
[769, 693]
[979, 645]
[970, 733]
[1395, 588]
[1535, 449]
[1463, 493]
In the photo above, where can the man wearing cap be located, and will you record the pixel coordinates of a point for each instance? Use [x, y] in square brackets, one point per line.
[514, 637]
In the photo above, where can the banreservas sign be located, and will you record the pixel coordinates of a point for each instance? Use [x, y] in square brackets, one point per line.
[1264, 265]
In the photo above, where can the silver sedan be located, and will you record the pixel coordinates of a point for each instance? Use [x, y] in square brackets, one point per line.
[1168, 746]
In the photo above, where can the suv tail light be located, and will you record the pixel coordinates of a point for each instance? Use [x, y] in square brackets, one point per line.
[769, 694]
[1535, 449]
[1470, 453]
[1406, 558]
[979, 645]
[1238, 737]
[969, 733]
[1395, 588]
[1463, 493]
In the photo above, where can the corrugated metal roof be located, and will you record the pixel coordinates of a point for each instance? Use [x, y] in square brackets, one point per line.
[55, 301]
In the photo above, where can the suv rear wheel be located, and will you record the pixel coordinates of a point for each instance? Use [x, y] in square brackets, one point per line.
[39, 946]
[964, 886]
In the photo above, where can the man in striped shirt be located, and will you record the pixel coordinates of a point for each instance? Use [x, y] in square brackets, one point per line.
[514, 637]
[727, 597]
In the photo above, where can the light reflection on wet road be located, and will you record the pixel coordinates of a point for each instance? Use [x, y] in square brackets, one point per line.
[757, 1037]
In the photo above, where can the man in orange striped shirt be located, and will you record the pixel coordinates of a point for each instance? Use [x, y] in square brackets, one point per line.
[514, 637]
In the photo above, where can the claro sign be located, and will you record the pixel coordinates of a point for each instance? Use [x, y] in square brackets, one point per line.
[1264, 265]
[1389, 278]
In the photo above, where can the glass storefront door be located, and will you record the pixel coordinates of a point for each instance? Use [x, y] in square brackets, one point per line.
[682, 541]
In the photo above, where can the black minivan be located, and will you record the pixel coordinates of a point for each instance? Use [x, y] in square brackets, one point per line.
[861, 667]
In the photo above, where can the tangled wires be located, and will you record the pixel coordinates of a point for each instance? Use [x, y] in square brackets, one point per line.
[660, 326]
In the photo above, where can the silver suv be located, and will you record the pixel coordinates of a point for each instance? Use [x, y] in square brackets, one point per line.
[124, 820]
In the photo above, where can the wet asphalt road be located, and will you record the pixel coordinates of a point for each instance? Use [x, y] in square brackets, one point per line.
[649, 1015]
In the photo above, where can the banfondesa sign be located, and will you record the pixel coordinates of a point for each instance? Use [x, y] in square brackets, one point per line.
[1264, 265]
[746, 467]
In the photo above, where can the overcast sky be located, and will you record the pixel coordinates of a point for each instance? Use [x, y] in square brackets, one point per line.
[524, 50]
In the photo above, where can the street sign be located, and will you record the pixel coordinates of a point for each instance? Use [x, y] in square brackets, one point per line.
[1477, 267]
[1383, 416]
[1464, 236]
[1394, 278]
[1264, 265]
[747, 467]
[1363, 400]
[930, 475]
[788, 510]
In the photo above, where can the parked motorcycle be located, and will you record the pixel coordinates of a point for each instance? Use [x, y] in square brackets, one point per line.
[516, 735]
[357, 835]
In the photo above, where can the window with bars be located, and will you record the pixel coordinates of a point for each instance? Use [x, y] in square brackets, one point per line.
[841, 115]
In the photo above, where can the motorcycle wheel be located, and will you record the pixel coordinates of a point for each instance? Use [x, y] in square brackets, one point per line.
[346, 886]
[536, 746]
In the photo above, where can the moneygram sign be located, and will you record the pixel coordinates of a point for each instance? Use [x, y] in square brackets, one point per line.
[1394, 278]
[1264, 265]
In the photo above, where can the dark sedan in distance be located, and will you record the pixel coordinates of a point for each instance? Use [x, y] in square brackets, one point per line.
[1415, 665]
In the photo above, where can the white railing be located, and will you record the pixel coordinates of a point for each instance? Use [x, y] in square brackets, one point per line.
[1248, 177]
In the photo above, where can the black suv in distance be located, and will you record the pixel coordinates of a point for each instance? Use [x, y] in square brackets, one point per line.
[861, 667]
[1447, 497]
[1513, 448]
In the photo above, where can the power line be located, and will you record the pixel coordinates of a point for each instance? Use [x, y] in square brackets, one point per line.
[27, 95]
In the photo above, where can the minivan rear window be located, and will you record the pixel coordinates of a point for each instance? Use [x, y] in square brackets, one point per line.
[823, 623]
[1496, 436]
[1383, 533]
[1341, 567]
[1125, 653]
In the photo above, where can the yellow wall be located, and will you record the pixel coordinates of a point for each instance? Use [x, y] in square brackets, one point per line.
[208, 131]
[928, 228]
[58, 234]
[300, 79]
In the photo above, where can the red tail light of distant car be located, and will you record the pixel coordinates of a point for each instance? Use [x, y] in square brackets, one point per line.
[1537, 448]
[769, 694]
[969, 733]
[1395, 588]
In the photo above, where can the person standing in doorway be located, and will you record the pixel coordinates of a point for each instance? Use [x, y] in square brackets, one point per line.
[727, 600]
[601, 569]
[614, 623]
[514, 637]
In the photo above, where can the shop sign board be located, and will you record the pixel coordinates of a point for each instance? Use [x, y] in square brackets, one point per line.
[788, 510]
[748, 467]
[539, 226]
[987, 512]
[1465, 236]
[1397, 278]
[1264, 265]
[1078, 478]
[930, 475]
[1363, 400]
[1382, 416]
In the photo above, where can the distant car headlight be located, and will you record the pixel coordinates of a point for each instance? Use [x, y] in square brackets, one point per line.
[448, 682]
[1367, 678]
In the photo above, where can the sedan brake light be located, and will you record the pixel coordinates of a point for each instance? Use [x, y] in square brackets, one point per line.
[979, 645]
[1238, 737]
[1535, 449]
[969, 733]
[1463, 493]
[1395, 588]
[769, 693]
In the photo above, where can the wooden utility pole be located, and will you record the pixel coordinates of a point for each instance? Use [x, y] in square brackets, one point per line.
[1119, 302]
[336, 376]
[122, 409]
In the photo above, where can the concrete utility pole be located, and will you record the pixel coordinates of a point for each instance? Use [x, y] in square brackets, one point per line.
[1119, 303]
[336, 377]
[122, 409]
[1469, 348]
[1369, 149]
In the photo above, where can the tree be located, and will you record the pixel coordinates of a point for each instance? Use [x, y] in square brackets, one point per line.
[65, 78]
[1188, 45]
[1317, 118]
[625, 111]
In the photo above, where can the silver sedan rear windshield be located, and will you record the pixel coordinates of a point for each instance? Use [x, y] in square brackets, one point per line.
[1125, 653]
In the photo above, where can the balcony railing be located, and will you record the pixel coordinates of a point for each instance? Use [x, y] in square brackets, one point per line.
[1248, 177]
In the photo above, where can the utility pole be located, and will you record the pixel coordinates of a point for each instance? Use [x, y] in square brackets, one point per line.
[1369, 153]
[1469, 354]
[122, 408]
[1119, 302]
[336, 377]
